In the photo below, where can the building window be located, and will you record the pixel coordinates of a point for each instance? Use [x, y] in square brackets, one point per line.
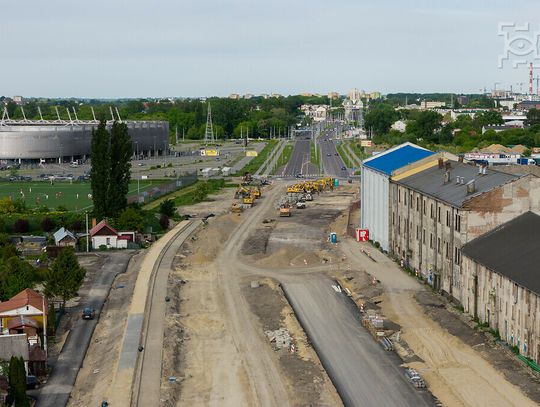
[108, 241]
[417, 203]
[411, 200]
[393, 218]
[439, 214]
[424, 236]
[424, 206]
[405, 199]
[399, 195]
[448, 218]
[431, 240]
[457, 224]
[439, 245]
[457, 255]
[447, 250]
[417, 234]
[399, 224]
[431, 213]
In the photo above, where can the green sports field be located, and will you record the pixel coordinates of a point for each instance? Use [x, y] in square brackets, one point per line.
[72, 196]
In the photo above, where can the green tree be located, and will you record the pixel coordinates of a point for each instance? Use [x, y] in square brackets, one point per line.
[15, 276]
[425, 126]
[17, 383]
[51, 319]
[65, 276]
[533, 117]
[167, 207]
[101, 169]
[120, 174]
[130, 219]
[380, 118]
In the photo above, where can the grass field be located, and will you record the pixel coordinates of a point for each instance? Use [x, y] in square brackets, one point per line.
[72, 196]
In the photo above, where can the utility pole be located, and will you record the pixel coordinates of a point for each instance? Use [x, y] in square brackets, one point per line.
[87, 235]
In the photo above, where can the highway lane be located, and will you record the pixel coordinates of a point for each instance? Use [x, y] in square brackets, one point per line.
[332, 163]
[299, 163]
[362, 372]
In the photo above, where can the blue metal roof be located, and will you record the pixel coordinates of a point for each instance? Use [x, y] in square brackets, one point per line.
[389, 162]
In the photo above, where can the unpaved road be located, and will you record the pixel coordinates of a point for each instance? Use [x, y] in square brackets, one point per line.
[455, 372]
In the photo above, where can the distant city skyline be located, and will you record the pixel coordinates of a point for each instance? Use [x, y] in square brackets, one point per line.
[191, 48]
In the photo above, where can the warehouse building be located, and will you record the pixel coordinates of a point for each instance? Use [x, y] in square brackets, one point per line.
[441, 205]
[501, 277]
[374, 189]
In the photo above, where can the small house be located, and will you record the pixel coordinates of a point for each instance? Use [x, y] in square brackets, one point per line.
[104, 234]
[23, 313]
[63, 238]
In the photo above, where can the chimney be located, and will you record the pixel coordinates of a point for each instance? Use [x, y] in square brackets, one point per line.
[94, 222]
[440, 163]
[447, 165]
[460, 159]
[471, 187]
[447, 177]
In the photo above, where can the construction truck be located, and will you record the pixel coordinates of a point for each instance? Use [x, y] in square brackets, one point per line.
[236, 208]
[285, 210]
[256, 192]
[248, 200]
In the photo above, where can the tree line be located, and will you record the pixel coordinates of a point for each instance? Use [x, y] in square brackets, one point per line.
[429, 128]
[258, 116]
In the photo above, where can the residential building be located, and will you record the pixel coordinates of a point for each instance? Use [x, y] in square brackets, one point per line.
[431, 104]
[104, 234]
[234, 96]
[439, 206]
[374, 189]
[463, 100]
[316, 112]
[29, 245]
[400, 125]
[528, 104]
[63, 237]
[501, 282]
[333, 95]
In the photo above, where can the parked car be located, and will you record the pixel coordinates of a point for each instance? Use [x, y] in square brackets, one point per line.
[32, 382]
[88, 313]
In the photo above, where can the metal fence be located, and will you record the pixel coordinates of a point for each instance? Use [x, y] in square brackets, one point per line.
[166, 188]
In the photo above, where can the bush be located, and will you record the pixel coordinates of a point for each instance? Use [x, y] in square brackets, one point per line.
[164, 221]
[167, 207]
[47, 224]
[102, 247]
[21, 226]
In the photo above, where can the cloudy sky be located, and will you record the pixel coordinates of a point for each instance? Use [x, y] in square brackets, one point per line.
[136, 48]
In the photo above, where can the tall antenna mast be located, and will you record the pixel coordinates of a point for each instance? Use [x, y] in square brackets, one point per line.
[209, 132]
[57, 113]
[93, 113]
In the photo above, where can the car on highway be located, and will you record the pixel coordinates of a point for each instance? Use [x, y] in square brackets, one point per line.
[328, 154]
[343, 168]
[299, 176]
[336, 154]
[88, 313]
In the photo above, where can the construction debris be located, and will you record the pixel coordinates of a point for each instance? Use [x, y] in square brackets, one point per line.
[281, 337]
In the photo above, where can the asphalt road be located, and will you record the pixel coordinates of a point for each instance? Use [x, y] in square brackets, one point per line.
[55, 393]
[332, 163]
[299, 163]
[362, 372]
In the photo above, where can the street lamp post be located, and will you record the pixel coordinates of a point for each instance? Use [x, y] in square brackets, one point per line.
[87, 235]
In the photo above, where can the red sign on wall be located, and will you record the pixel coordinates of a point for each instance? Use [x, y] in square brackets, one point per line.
[362, 235]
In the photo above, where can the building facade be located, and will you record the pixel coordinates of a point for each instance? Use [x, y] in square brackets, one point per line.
[502, 282]
[438, 209]
[374, 188]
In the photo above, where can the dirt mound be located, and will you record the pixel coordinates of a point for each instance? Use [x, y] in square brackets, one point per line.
[210, 238]
[289, 256]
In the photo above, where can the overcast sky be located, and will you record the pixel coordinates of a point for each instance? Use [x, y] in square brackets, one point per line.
[151, 48]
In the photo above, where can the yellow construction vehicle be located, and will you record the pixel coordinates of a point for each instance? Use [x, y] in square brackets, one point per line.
[248, 200]
[256, 192]
[284, 210]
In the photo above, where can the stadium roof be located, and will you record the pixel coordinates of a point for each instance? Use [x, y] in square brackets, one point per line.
[512, 250]
[431, 182]
[397, 157]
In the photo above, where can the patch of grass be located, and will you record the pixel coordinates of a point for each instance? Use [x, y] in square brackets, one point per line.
[285, 156]
[315, 155]
[73, 196]
[199, 191]
[340, 147]
[256, 162]
[358, 149]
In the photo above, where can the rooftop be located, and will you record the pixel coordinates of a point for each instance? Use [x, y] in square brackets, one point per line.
[397, 157]
[431, 182]
[512, 250]
[22, 299]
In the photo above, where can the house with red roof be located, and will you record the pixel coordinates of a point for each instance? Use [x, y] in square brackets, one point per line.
[23, 313]
[104, 234]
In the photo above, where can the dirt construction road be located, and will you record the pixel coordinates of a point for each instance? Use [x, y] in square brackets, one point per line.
[455, 372]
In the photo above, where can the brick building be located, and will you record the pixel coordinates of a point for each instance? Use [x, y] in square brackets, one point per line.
[501, 282]
[438, 206]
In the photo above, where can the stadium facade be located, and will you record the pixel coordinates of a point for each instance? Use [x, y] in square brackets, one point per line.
[61, 141]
